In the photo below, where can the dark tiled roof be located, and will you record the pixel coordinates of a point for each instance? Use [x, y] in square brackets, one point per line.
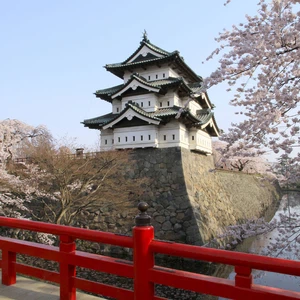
[125, 65]
[204, 115]
[196, 86]
[163, 112]
[106, 94]
[201, 118]
[150, 46]
[99, 120]
[110, 90]
[141, 111]
[119, 68]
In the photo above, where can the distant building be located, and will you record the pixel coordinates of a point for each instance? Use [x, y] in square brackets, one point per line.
[159, 104]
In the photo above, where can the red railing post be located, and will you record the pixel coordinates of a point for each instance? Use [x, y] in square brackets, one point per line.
[67, 272]
[143, 234]
[243, 277]
[8, 267]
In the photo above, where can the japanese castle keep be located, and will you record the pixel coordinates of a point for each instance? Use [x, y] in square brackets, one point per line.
[159, 104]
[161, 111]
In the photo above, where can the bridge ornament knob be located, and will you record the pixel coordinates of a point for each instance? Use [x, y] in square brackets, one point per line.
[143, 219]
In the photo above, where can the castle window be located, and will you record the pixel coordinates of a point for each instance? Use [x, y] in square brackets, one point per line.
[173, 137]
[193, 138]
[168, 103]
[119, 139]
[105, 142]
[164, 75]
[117, 109]
[160, 104]
[165, 137]
[133, 138]
[126, 139]
[142, 104]
[149, 77]
[156, 76]
[112, 141]
[149, 103]
[149, 137]
[142, 137]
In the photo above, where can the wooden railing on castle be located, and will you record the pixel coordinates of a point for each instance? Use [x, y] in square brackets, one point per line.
[143, 269]
[78, 155]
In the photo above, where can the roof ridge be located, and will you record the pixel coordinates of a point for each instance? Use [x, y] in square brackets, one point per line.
[156, 48]
[133, 63]
[139, 110]
[147, 43]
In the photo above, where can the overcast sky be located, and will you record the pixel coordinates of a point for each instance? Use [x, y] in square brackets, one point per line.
[52, 53]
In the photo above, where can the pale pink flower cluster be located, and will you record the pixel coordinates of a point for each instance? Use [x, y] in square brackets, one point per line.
[15, 192]
[12, 134]
[238, 158]
[260, 60]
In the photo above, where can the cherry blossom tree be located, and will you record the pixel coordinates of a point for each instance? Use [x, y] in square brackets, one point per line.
[14, 134]
[70, 185]
[260, 61]
[234, 157]
[14, 192]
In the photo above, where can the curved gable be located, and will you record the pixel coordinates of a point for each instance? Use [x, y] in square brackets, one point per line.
[129, 113]
[145, 53]
[133, 84]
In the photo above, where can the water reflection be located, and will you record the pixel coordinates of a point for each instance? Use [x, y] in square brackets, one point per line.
[290, 203]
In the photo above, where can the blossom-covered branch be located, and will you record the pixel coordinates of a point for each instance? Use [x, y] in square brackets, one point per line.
[260, 60]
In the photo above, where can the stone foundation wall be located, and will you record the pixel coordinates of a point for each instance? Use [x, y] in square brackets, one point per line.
[189, 202]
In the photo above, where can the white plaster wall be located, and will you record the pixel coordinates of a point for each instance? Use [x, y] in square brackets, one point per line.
[147, 101]
[116, 106]
[173, 73]
[137, 137]
[152, 73]
[106, 140]
[194, 106]
[173, 134]
[202, 141]
[168, 100]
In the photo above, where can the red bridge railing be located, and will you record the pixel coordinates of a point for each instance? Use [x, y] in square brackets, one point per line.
[143, 269]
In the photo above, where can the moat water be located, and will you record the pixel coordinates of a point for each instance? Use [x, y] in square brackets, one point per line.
[258, 245]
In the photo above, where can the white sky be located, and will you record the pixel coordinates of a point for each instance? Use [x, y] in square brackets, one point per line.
[52, 54]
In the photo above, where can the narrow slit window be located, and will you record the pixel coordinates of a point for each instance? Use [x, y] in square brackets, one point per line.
[149, 77]
[173, 136]
[133, 138]
[160, 104]
[156, 76]
[193, 138]
[117, 109]
[165, 137]
[126, 138]
[142, 104]
[142, 137]
[164, 75]
[119, 139]
[105, 142]
[168, 103]
[149, 103]
[112, 141]
[149, 137]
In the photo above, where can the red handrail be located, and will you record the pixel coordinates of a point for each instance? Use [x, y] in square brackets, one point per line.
[143, 269]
